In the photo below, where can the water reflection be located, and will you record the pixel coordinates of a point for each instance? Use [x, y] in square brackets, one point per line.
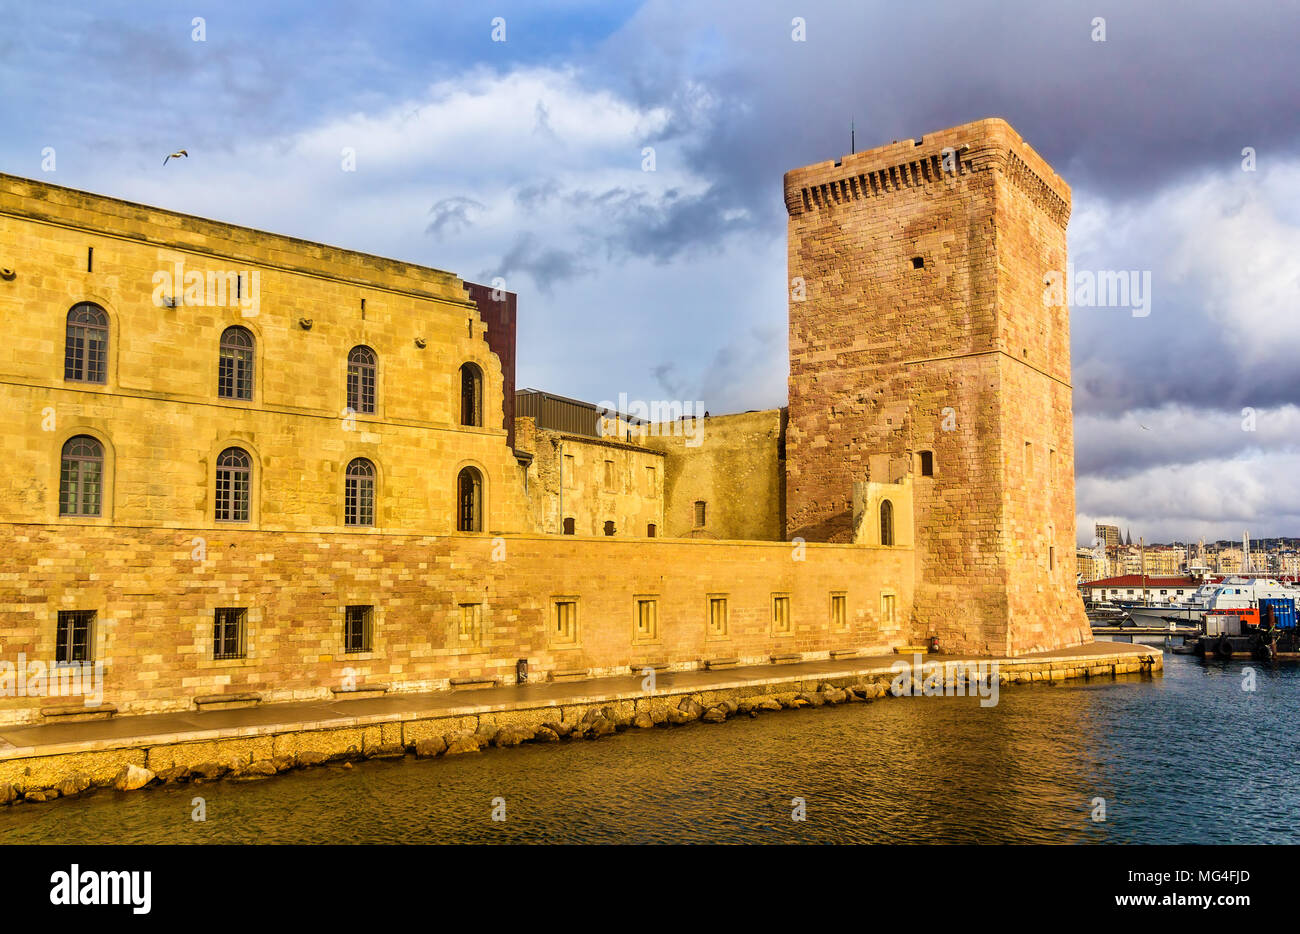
[1184, 757]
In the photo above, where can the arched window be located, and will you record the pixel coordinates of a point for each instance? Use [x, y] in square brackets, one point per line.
[234, 486]
[361, 380]
[235, 367]
[359, 493]
[469, 488]
[471, 395]
[886, 522]
[81, 477]
[85, 351]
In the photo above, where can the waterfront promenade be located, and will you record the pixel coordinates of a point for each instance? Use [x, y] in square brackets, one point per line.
[43, 755]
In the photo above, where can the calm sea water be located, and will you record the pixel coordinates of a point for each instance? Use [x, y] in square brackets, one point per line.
[1187, 757]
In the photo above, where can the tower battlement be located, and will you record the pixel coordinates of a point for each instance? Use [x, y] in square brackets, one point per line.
[928, 161]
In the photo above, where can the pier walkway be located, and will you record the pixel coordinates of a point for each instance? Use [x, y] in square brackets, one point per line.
[387, 718]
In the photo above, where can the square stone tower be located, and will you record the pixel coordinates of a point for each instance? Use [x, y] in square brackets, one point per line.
[923, 354]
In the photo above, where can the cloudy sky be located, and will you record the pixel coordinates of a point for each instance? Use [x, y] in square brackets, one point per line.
[524, 159]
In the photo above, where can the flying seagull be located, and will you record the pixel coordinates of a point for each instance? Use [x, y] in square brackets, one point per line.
[176, 155]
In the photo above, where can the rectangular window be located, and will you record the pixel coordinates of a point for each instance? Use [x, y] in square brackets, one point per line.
[927, 463]
[609, 475]
[888, 609]
[650, 481]
[471, 623]
[699, 514]
[228, 626]
[564, 629]
[357, 628]
[72, 639]
[647, 619]
[780, 613]
[839, 612]
[717, 615]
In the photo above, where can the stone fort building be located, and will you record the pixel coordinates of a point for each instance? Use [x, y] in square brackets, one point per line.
[243, 467]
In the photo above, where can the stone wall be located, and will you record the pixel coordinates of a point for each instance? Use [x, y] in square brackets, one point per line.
[569, 479]
[734, 465]
[154, 593]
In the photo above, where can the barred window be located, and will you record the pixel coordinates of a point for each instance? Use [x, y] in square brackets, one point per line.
[566, 622]
[359, 493]
[839, 612]
[647, 618]
[357, 628]
[235, 365]
[361, 380]
[81, 477]
[469, 516]
[780, 613]
[72, 638]
[717, 615]
[228, 626]
[85, 350]
[471, 395]
[234, 486]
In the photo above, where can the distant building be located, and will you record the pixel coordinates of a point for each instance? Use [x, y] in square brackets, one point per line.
[1108, 535]
[1092, 564]
[1135, 587]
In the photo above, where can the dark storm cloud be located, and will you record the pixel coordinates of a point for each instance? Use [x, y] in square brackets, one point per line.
[451, 215]
[546, 266]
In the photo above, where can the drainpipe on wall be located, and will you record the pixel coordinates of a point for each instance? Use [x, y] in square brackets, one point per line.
[560, 517]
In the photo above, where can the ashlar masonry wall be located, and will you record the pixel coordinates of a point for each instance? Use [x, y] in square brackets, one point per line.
[154, 593]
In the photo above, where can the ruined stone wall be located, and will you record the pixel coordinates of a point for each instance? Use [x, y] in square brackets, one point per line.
[154, 597]
[731, 463]
[917, 325]
[568, 478]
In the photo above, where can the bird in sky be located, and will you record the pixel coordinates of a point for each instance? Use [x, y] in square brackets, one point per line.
[176, 155]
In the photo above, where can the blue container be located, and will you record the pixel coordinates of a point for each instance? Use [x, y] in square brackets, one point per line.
[1283, 611]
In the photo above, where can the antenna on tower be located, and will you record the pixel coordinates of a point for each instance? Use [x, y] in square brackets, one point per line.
[853, 140]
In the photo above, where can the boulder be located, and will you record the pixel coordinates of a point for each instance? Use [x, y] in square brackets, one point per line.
[545, 734]
[812, 698]
[132, 777]
[691, 707]
[177, 773]
[73, 785]
[8, 793]
[835, 696]
[430, 747]
[601, 727]
[643, 721]
[795, 703]
[729, 705]
[40, 794]
[768, 703]
[254, 771]
[508, 736]
[282, 763]
[309, 758]
[677, 716]
[591, 716]
[460, 743]
[209, 771]
[715, 714]
[389, 751]
[620, 720]
[559, 729]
